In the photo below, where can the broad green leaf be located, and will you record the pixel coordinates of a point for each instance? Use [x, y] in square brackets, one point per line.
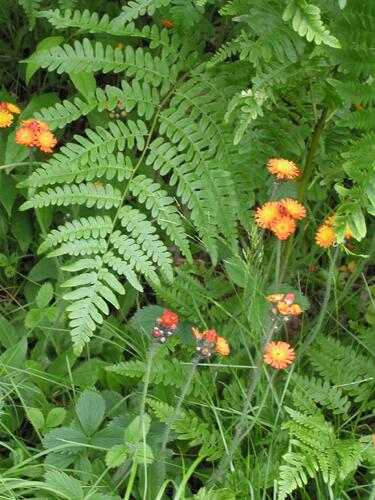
[144, 454]
[71, 438]
[84, 82]
[47, 43]
[8, 192]
[137, 429]
[90, 411]
[65, 485]
[45, 295]
[237, 271]
[116, 456]
[22, 229]
[15, 356]
[358, 226]
[55, 417]
[36, 417]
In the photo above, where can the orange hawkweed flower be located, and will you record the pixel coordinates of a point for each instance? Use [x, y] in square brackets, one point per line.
[6, 118]
[275, 297]
[373, 439]
[25, 136]
[283, 169]
[222, 346]
[325, 236]
[35, 125]
[283, 308]
[167, 24]
[210, 335]
[12, 108]
[267, 213]
[169, 319]
[45, 141]
[279, 354]
[283, 227]
[293, 208]
[295, 310]
[197, 334]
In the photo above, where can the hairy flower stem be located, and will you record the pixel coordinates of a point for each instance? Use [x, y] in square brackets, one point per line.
[307, 171]
[150, 357]
[323, 310]
[172, 421]
[239, 433]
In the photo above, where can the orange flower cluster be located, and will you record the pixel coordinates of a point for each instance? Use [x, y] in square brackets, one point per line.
[284, 305]
[279, 354]
[209, 342]
[165, 326]
[36, 133]
[326, 237]
[280, 216]
[7, 110]
[283, 169]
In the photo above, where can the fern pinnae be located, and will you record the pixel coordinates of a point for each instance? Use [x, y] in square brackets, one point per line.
[82, 228]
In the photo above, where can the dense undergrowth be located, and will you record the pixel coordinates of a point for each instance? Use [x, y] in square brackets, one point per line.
[187, 298]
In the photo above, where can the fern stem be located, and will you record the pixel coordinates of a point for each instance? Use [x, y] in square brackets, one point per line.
[172, 420]
[309, 163]
[310, 339]
[239, 434]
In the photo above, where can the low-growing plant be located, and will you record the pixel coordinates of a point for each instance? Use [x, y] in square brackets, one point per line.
[186, 297]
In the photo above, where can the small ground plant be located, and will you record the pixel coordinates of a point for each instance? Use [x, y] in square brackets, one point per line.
[187, 303]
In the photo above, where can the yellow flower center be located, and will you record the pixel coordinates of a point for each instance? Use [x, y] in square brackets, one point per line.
[283, 166]
[278, 354]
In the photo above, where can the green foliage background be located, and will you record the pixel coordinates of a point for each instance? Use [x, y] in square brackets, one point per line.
[149, 202]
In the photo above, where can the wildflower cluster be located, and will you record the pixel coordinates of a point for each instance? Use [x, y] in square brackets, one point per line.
[165, 326]
[280, 354]
[209, 342]
[284, 305]
[36, 133]
[280, 216]
[7, 110]
[326, 237]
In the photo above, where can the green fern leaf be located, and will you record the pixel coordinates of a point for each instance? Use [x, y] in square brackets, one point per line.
[143, 232]
[306, 21]
[31, 8]
[137, 8]
[89, 57]
[82, 194]
[83, 228]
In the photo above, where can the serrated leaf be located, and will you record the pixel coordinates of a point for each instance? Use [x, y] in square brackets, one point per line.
[90, 411]
[116, 456]
[64, 484]
[36, 417]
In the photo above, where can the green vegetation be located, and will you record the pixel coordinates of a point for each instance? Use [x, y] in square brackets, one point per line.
[187, 156]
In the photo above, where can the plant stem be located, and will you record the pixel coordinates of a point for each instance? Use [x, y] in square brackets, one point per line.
[323, 310]
[309, 163]
[239, 434]
[124, 467]
[277, 268]
[150, 357]
[172, 420]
